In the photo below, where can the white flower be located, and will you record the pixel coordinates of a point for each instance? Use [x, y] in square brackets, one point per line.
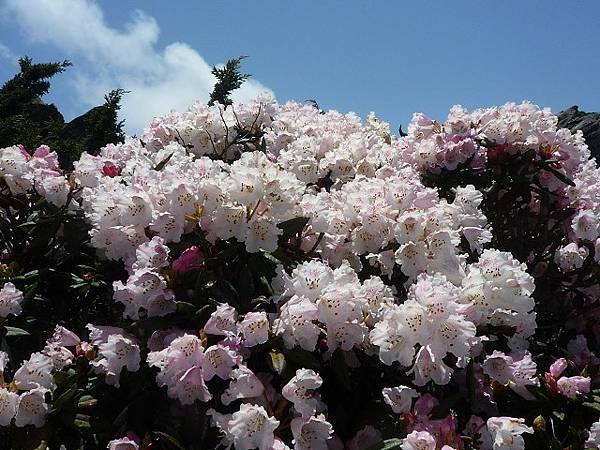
[300, 390]
[32, 408]
[219, 360]
[399, 398]
[254, 328]
[55, 189]
[243, 384]
[418, 440]
[572, 386]
[312, 433]
[524, 374]
[593, 440]
[153, 254]
[123, 444]
[168, 226]
[35, 373]
[10, 300]
[571, 257]
[429, 367]
[309, 279]
[262, 234]
[251, 427]
[222, 321]
[115, 354]
[296, 323]
[395, 341]
[61, 356]
[64, 337]
[586, 225]
[499, 367]
[190, 387]
[8, 406]
[506, 433]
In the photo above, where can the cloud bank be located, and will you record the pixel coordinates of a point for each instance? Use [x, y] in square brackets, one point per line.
[160, 79]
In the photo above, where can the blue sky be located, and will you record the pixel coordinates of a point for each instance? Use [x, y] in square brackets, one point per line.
[391, 57]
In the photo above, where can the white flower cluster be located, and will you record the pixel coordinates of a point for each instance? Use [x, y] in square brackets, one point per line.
[585, 195]
[23, 172]
[211, 130]
[510, 128]
[26, 398]
[367, 212]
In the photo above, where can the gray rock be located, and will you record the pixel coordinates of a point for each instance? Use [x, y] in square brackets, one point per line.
[588, 123]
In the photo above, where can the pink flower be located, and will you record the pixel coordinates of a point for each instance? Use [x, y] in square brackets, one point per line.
[191, 258]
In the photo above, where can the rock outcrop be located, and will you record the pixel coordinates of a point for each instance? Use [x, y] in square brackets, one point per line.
[587, 122]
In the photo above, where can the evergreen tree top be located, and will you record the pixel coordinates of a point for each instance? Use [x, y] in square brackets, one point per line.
[229, 78]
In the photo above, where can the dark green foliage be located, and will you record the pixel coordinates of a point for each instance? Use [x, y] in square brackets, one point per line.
[27, 87]
[229, 78]
[93, 130]
[25, 119]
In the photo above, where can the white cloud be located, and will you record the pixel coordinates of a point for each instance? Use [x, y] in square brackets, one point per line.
[6, 53]
[160, 79]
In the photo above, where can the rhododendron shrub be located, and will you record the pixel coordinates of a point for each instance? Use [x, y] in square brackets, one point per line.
[275, 276]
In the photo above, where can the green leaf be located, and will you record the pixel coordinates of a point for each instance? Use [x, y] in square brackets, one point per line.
[561, 176]
[388, 444]
[594, 406]
[65, 398]
[82, 421]
[86, 401]
[186, 308]
[14, 332]
[170, 439]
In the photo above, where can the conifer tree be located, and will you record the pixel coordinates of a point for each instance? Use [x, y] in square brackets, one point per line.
[229, 78]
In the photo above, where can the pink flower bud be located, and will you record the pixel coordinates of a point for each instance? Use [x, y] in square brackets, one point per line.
[191, 258]
[558, 367]
[111, 170]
